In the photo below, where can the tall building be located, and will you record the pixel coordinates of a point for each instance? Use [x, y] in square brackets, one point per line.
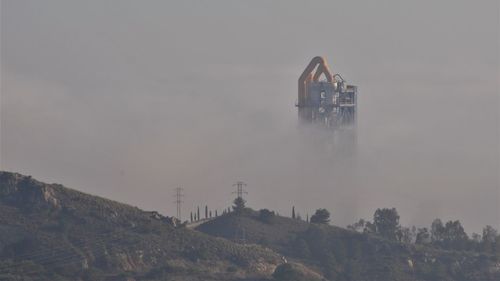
[325, 99]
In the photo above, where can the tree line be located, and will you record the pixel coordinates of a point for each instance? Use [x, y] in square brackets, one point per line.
[450, 235]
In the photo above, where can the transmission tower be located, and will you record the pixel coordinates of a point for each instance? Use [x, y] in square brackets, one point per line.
[240, 189]
[178, 201]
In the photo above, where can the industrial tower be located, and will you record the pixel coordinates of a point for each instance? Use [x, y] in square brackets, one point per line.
[329, 102]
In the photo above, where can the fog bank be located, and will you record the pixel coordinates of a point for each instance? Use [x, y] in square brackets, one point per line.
[130, 101]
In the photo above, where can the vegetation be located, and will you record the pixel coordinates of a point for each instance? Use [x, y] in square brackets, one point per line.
[386, 223]
[49, 232]
[286, 272]
[322, 216]
[294, 272]
[239, 204]
[356, 254]
[266, 216]
[447, 236]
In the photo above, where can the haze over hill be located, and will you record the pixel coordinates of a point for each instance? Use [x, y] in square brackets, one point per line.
[50, 232]
[132, 100]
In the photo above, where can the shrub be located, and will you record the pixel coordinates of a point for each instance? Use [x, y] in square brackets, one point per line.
[265, 215]
[286, 272]
[322, 216]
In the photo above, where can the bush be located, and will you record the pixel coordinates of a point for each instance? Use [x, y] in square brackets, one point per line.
[286, 272]
[265, 215]
[386, 223]
[322, 216]
[293, 272]
[239, 205]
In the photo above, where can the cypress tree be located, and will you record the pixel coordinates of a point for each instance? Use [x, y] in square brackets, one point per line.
[191, 216]
[198, 214]
[206, 212]
[293, 212]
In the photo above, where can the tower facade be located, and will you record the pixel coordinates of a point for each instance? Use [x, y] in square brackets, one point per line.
[326, 99]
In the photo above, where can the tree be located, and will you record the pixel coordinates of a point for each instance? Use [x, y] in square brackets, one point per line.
[454, 235]
[476, 237]
[489, 238]
[239, 204]
[322, 216]
[265, 215]
[357, 226]
[216, 215]
[476, 242]
[405, 235]
[423, 236]
[496, 247]
[191, 216]
[293, 212]
[413, 233]
[369, 228]
[386, 223]
[198, 213]
[437, 230]
[489, 234]
[206, 212]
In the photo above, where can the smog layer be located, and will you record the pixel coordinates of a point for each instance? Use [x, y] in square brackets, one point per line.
[131, 101]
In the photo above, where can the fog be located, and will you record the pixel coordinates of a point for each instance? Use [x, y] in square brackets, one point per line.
[131, 99]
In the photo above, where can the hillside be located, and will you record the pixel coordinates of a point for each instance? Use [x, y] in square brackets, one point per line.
[342, 254]
[50, 232]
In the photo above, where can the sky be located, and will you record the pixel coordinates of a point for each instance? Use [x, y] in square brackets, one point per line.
[131, 99]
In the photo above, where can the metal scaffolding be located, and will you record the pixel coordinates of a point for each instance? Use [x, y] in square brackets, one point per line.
[330, 102]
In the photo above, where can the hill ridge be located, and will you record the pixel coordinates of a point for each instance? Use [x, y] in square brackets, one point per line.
[50, 232]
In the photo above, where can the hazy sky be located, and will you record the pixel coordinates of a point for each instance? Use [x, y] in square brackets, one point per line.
[130, 99]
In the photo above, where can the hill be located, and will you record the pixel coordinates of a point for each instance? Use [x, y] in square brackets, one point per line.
[50, 232]
[341, 254]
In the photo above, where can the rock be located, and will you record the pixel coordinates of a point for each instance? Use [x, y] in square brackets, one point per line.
[21, 190]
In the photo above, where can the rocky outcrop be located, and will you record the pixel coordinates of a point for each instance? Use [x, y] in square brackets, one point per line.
[16, 189]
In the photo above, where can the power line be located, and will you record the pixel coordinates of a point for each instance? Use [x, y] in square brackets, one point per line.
[178, 201]
[240, 189]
